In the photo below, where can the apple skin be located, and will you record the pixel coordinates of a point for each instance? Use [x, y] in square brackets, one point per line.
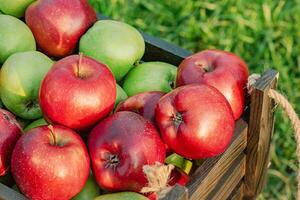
[143, 103]
[50, 162]
[120, 146]
[36, 123]
[114, 43]
[20, 79]
[57, 25]
[15, 36]
[121, 95]
[195, 132]
[150, 76]
[77, 92]
[10, 132]
[220, 69]
[15, 8]
[122, 196]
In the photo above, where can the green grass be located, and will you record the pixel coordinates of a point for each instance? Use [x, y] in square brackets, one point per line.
[265, 33]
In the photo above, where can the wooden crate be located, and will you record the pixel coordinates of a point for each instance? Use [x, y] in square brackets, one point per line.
[240, 172]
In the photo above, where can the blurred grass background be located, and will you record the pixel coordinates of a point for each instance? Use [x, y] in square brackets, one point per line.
[265, 33]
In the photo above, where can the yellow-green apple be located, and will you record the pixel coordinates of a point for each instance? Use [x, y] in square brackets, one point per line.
[57, 25]
[220, 69]
[120, 146]
[116, 44]
[15, 8]
[90, 190]
[195, 121]
[50, 162]
[150, 76]
[142, 103]
[121, 95]
[77, 92]
[20, 79]
[122, 196]
[15, 36]
[36, 123]
[10, 132]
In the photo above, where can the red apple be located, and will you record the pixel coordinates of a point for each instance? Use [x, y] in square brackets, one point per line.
[50, 162]
[57, 25]
[142, 103]
[120, 146]
[77, 92]
[223, 70]
[10, 132]
[195, 121]
[178, 177]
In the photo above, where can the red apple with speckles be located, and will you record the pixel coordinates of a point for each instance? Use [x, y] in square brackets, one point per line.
[57, 25]
[50, 162]
[195, 121]
[77, 92]
[143, 103]
[10, 132]
[119, 147]
[220, 69]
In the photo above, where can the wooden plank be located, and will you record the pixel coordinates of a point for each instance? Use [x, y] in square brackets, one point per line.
[177, 193]
[160, 50]
[7, 193]
[206, 177]
[261, 123]
[230, 179]
[238, 192]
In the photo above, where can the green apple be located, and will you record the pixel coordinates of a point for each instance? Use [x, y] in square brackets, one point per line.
[23, 122]
[36, 123]
[121, 95]
[180, 162]
[89, 191]
[116, 44]
[122, 196]
[20, 79]
[14, 7]
[150, 76]
[15, 36]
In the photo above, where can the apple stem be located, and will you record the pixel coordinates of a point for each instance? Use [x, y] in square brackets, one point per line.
[50, 127]
[79, 64]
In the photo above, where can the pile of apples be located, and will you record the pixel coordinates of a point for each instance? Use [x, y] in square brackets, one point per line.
[64, 84]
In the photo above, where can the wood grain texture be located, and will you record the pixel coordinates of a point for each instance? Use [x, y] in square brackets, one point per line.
[229, 180]
[238, 192]
[7, 193]
[206, 177]
[177, 193]
[261, 123]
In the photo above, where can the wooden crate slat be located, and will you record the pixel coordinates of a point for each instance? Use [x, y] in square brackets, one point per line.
[177, 193]
[205, 178]
[230, 179]
[261, 124]
[7, 193]
[238, 192]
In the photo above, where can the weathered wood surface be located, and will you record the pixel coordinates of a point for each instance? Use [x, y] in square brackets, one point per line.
[261, 123]
[7, 193]
[238, 192]
[207, 176]
[229, 180]
[177, 193]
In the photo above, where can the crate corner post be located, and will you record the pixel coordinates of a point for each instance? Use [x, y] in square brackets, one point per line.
[261, 125]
